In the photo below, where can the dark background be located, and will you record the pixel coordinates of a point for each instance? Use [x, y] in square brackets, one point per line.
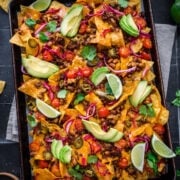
[9, 151]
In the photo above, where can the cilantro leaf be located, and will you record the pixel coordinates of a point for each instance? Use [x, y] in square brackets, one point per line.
[176, 101]
[177, 150]
[178, 173]
[88, 52]
[147, 110]
[152, 161]
[79, 98]
[150, 112]
[77, 175]
[143, 110]
[30, 22]
[31, 121]
[108, 89]
[92, 159]
[43, 37]
[51, 26]
[123, 3]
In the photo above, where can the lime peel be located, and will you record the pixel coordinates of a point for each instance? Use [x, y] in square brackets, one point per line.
[115, 85]
[40, 5]
[137, 156]
[161, 148]
[46, 109]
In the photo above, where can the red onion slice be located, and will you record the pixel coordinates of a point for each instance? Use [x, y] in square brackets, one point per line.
[42, 26]
[120, 71]
[68, 124]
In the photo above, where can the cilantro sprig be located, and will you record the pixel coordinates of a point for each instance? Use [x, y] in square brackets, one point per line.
[51, 26]
[176, 101]
[30, 22]
[88, 52]
[147, 110]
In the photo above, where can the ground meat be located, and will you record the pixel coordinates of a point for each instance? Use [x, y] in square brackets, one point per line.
[73, 45]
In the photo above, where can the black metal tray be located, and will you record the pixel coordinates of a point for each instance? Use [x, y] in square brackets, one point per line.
[25, 173]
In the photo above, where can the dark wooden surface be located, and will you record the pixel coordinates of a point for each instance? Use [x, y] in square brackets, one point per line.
[9, 151]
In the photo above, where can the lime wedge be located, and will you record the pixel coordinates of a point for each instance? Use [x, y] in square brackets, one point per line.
[40, 5]
[161, 148]
[137, 156]
[115, 84]
[46, 109]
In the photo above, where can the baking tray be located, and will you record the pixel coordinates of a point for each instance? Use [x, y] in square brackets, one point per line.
[25, 173]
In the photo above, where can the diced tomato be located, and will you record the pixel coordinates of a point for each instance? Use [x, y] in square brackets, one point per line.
[39, 116]
[47, 56]
[140, 22]
[69, 55]
[95, 147]
[71, 74]
[147, 43]
[128, 10]
[34, 146]
[55, 102]
[121, 144]
[123, 163]
[124, 52]
[43, 164]
[55, 169]
[86, 178]
[159, 129]
[103, 112]
[145, 55]
[78, 125]
[83, 28]
[86, 71]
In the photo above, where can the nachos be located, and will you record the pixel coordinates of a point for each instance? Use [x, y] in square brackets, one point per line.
[90, 91]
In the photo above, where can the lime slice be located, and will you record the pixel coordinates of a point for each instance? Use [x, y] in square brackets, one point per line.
[115, 84]
[161, 148]
[46, 109]
[137, 156]
[40, 5]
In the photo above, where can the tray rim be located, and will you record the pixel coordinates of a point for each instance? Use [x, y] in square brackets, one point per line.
[25, 171]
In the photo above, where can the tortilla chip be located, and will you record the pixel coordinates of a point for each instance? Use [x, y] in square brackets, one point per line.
[2, 85]
[163, 116]
[117, 38]
[43, 174]
[58, 5]
[92, 98]
[144, 129]
[136, 4]
[29, 12]
[4, 4]
[15, 39]
[33, 88]
[128, 90]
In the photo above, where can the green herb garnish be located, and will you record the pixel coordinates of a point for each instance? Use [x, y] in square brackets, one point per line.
[88, 52]
[152, 161]
[92, 159]
[178, 173]
[43, 37]
[123, 3]
[51, 26]
[176, 101]
[80, 97]
[177, 150]
[108, 89]
[31, 121]
[73, 172]
[30, 22]
[147, 110]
